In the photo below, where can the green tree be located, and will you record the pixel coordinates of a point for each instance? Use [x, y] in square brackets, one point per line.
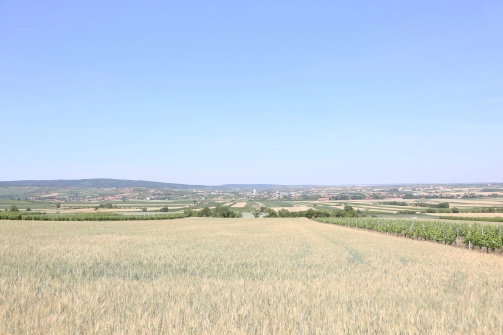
[107, 205]
[225, 212]
[283, 213]
[271, 213]
[188, 213]
[205, 212]
[13, 208]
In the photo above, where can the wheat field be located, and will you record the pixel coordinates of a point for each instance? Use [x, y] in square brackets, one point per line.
[239, 276]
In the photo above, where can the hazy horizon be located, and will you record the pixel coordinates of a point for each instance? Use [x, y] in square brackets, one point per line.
[272, 184]
[211, 93]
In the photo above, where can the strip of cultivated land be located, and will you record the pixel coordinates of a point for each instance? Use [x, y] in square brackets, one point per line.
[239, 276]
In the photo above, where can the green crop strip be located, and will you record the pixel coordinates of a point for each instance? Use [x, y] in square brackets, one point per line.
[489, 237]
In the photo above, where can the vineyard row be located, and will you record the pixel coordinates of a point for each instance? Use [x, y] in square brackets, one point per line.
[487, 237]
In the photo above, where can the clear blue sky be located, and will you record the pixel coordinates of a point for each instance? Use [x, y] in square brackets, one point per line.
[287, 92]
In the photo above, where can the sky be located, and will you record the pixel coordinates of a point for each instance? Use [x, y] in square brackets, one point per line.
[279, 92]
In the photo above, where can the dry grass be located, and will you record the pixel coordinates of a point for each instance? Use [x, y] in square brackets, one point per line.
[294, 208]
[239, 205]
[242, 276]
[383, 209]
[462, 203]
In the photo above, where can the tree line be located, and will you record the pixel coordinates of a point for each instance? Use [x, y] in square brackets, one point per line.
[266, 212]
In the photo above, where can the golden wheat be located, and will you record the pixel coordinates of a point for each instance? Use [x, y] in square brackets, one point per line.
[239, 276]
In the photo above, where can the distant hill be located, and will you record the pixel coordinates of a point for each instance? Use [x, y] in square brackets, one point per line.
[95, 183]
[123, 183]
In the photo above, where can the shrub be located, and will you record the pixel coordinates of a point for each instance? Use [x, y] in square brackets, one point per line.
[106, 205]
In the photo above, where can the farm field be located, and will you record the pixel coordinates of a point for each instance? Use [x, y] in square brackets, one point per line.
[239, 276]
[474, 215]
[378, 206]
[294, 208]
[141, 201]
